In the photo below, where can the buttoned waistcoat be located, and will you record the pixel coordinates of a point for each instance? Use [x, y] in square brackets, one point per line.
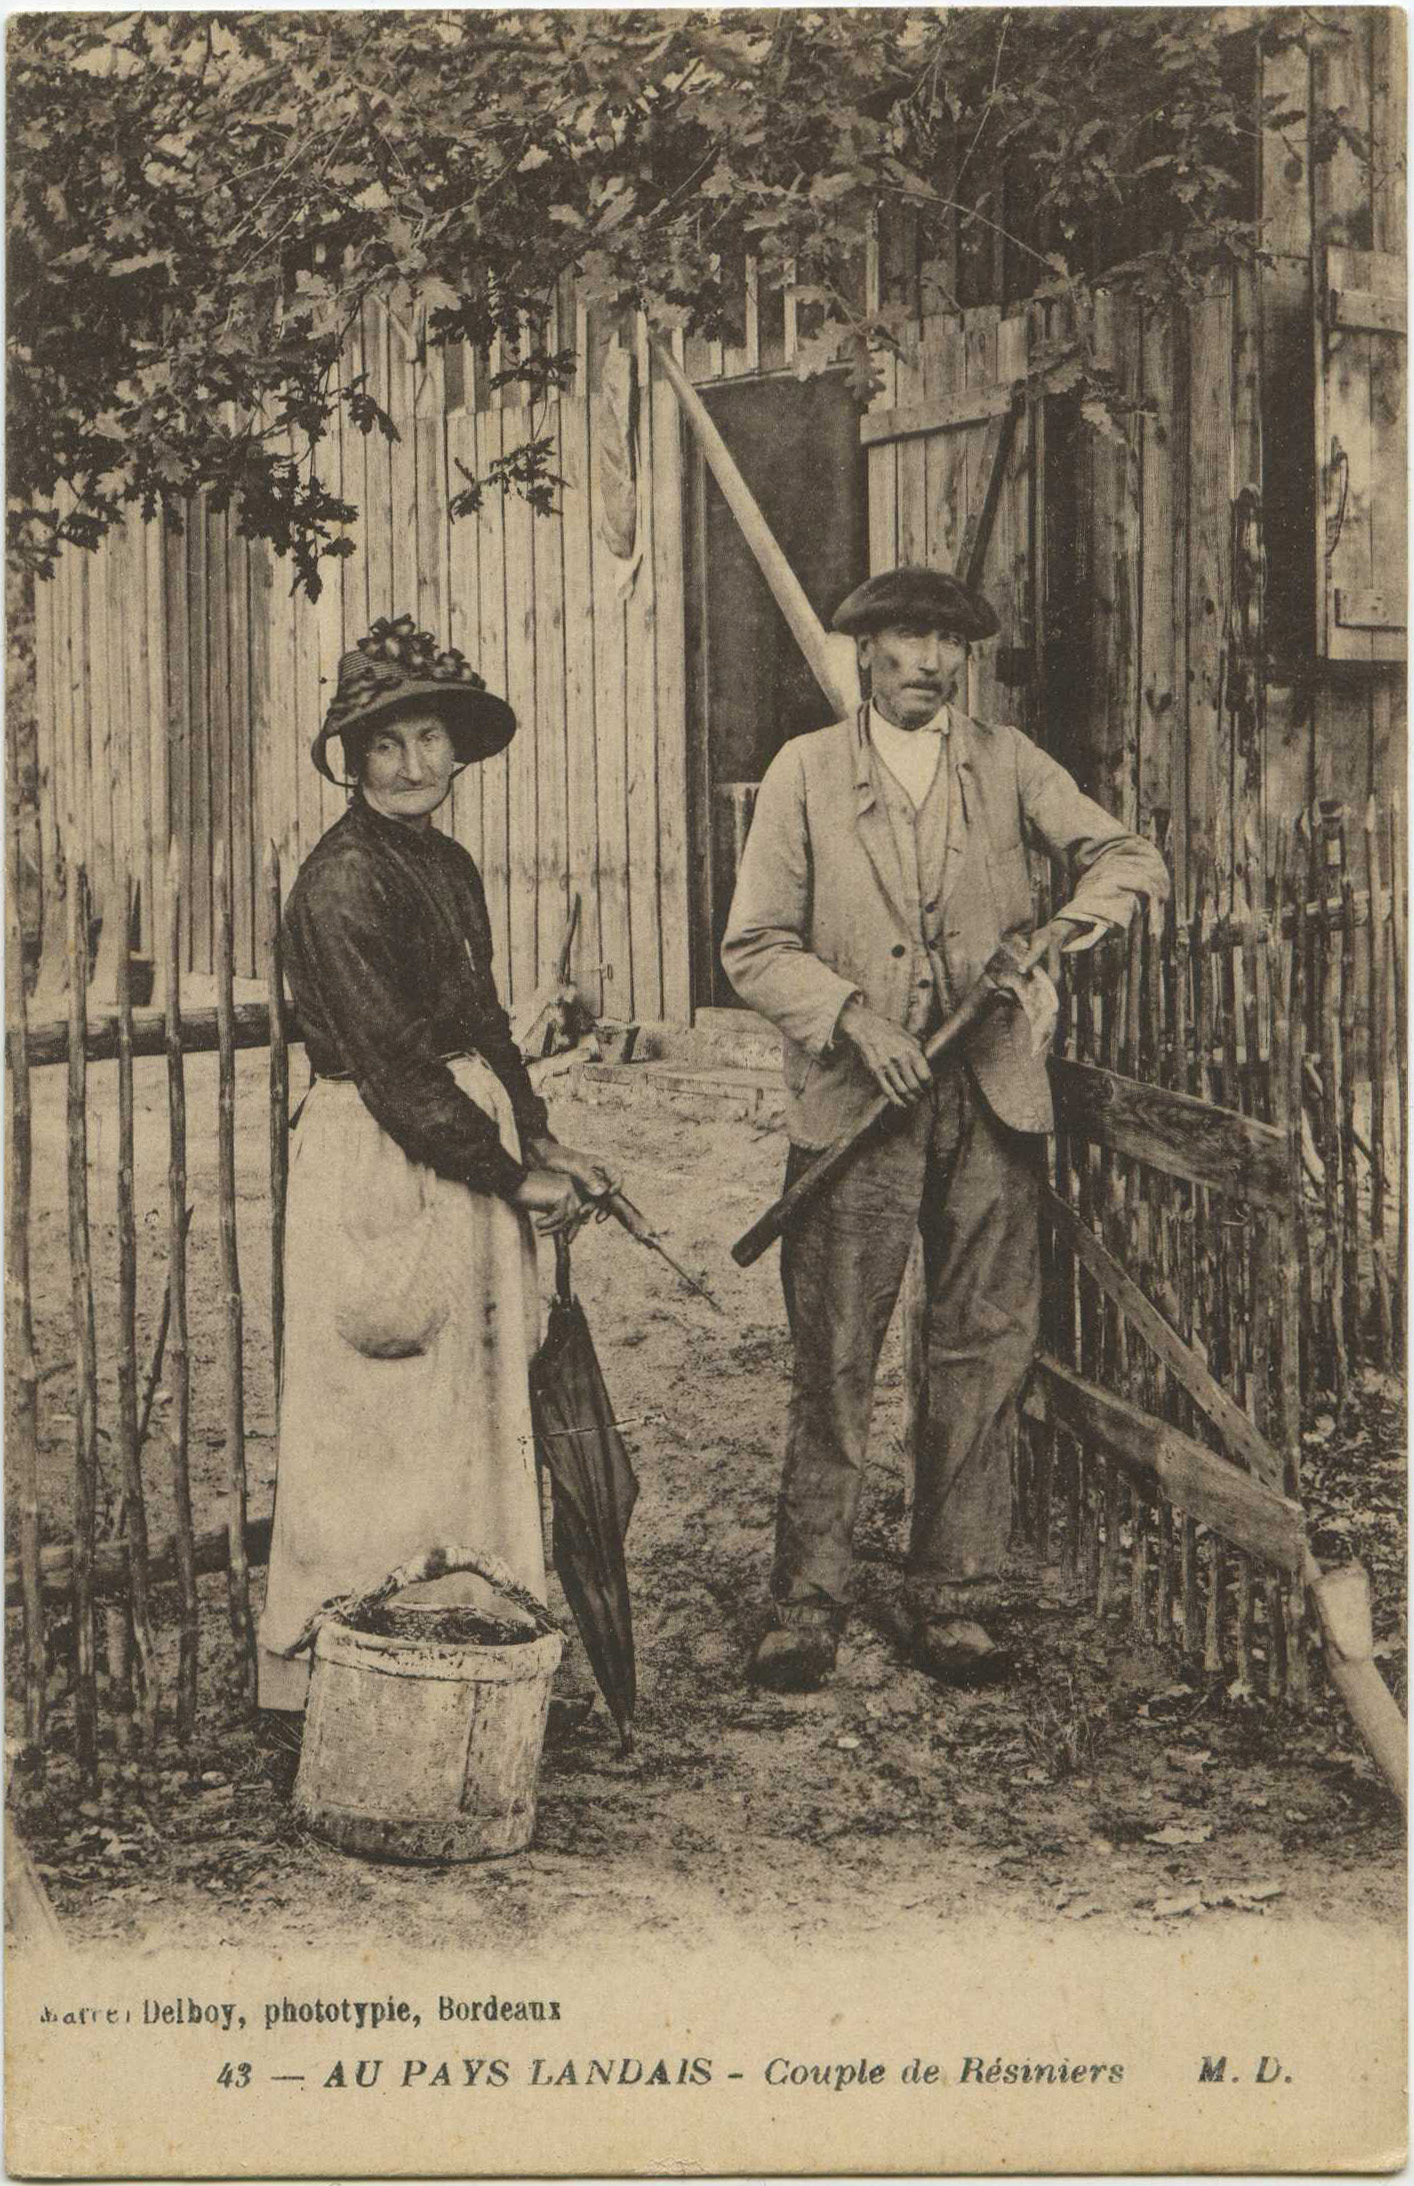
[821, 910]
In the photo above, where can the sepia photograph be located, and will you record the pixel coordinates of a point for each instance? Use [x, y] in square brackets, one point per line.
[706, 973]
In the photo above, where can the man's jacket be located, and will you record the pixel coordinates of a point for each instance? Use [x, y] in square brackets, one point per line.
[821, 912]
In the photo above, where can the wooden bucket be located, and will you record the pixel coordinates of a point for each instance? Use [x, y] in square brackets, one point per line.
[424, 1749]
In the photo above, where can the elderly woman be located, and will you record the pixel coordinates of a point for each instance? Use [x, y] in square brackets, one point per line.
[420, 1156]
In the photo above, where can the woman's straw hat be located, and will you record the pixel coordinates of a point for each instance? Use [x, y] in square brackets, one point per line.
[396, 666]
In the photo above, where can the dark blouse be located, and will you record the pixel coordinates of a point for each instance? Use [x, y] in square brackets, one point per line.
[388, 957]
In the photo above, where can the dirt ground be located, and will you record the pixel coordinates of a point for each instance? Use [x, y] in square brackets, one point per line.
[1102, 1785]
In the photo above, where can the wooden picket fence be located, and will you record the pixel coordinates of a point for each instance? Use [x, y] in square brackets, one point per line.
[1275, 1254]
[107, 1587]
[1293, 1017]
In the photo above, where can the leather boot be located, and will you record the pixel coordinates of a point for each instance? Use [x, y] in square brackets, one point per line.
[957, 1651]
[795, 1657]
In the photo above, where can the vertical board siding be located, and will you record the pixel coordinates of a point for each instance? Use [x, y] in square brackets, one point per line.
[376, 500]
[46, 717]
[522, 668]
[218, 696]
[199, 929]
[980, 371]
[244, 831]
[1008, 572]
[611, 728]
[943, 455]
[309, 786]
[915, 363]
[670, 700]
[1209, 527]
[642, 787]
[495, 773]
[402, 459]
[549, 860]
[1160, 541]
[464, 606]
[581, 760]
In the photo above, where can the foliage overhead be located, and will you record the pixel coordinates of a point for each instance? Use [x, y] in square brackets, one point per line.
[261, 175]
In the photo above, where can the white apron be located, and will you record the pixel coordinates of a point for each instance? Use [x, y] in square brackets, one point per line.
[411, 1316]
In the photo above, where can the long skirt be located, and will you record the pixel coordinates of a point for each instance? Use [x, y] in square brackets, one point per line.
[411, 1319]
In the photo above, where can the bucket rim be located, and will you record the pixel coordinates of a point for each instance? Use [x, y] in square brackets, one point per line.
[338, 1641]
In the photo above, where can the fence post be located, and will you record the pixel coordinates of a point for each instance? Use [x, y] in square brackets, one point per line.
[24, 1372]
[238, 1568]
[1288, 989]
[178, 1354]
[279, 1111]
[1398, 913]
[85, 1338]
[134, 1503]
[1350, 1183]
[1378, 1013]
[1328, 1035]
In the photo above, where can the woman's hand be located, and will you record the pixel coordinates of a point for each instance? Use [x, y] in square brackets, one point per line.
[554, 1199]
[591, 1176]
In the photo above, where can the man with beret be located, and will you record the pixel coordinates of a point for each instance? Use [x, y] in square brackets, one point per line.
[887, 859]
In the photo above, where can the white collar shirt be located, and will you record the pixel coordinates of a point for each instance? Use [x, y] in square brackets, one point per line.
[911, 755]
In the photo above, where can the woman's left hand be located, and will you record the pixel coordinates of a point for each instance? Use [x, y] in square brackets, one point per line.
[591, 1177]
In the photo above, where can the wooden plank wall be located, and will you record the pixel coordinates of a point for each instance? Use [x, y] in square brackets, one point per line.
[1142, 722]
[182, 681]
[1332, 733]
[1150, 724]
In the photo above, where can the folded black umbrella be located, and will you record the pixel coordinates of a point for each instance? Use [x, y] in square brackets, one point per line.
[595, 1489]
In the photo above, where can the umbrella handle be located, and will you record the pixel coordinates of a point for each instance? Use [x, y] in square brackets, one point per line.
[564, 1287]
[435, 1563]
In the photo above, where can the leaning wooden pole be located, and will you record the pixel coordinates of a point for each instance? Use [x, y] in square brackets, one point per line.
[831, 661]
[233, 1347]
[24, 1371]
[178, 1356]
[85, 1337]
[1342, 1603]
[279, 1111]
[134, 1500]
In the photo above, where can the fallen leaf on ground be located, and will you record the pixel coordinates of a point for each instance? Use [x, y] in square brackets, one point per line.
[1184, 1757]
[1245, 1895]
[1191, 1901]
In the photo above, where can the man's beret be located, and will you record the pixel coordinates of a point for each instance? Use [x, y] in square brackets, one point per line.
[915, 595]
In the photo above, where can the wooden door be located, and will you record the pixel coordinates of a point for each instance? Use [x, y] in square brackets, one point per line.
[797, 445]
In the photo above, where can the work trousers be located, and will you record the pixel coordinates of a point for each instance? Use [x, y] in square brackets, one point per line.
[949, 1169]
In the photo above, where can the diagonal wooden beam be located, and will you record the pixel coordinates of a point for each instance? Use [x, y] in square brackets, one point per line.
[1166, 1462]
[1239, 1435]
[978, 533]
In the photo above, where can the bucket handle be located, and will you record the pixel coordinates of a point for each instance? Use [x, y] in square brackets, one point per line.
[437, 1562]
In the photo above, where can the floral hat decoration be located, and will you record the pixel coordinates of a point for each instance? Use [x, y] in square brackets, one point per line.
[397, 665]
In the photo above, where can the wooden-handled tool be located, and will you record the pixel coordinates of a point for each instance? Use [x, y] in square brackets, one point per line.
[1006, 963]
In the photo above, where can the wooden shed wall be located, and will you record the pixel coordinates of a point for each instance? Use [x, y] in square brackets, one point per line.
[1333, 732]
[1110, 558]
[181, 681]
